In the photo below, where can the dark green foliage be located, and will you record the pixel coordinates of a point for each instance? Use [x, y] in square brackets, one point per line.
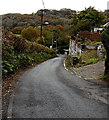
[105, 40]
[86, 20]
[7, 67]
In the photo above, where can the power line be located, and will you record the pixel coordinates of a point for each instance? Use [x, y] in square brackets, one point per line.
[42, 15]
[43, 4]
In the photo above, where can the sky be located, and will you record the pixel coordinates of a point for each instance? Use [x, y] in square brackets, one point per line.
[31, 6]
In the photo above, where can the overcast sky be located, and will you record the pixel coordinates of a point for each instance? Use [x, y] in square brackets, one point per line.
[30, 6]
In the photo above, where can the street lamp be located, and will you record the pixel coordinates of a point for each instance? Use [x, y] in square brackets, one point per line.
[56, 45]
[46, 23]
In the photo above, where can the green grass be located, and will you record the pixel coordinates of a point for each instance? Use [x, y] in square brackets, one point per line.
[88, 54]
[105, 78]
[18, 35]
[92, 61]
[99, 43]
[93, 42]
[88, 57]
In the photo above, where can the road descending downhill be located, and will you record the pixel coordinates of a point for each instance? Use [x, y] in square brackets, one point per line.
[50, 91]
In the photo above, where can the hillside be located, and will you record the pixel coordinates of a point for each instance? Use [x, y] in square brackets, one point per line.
[18, 50]
[54, 17]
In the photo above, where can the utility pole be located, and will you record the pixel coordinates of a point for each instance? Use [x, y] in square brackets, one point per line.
[46, 23]
[42, 14]
[56, 45]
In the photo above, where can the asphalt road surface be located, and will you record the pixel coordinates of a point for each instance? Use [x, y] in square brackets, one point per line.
[50, 91]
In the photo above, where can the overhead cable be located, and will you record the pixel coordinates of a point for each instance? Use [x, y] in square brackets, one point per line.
[43, 4]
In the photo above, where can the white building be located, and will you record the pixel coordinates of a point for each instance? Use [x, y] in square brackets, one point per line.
[74, 48]
[106, 25]
[98, 29]
[101, 29]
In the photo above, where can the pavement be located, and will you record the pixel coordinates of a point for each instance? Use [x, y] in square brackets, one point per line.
[92, 71]
[50, 91]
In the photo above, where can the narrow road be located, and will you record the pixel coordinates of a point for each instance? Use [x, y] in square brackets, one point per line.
[49, 91]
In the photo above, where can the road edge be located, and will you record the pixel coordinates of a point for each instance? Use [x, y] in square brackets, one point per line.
[75, 73]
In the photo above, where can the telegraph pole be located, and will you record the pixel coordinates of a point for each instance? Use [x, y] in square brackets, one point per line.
[42, 14]
[42, 23]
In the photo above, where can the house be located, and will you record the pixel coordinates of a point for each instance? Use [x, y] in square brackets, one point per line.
[106, 25]
[98, 29]
[101, 29]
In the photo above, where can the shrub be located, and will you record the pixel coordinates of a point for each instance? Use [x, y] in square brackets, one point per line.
[19, 53]
[105, 40]
[7, 67]
[91, 61]
[105, 78]
[17, 30]
[7, 51]
[30, 33]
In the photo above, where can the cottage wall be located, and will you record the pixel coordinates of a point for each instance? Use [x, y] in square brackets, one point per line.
[74, 48]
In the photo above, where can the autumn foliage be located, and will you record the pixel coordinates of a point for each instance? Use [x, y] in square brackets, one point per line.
[30, 33]
[19, 53]
[17, 30]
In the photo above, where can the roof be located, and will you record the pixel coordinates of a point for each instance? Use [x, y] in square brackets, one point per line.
[106, 25]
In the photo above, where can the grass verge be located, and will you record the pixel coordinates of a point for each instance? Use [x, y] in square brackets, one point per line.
[87, 57]
[105, 78]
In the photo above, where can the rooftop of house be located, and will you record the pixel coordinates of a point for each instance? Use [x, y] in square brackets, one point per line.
[106, 25]
[101, 29]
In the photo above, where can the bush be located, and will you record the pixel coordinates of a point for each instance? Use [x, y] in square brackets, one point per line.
[17, 30]
[105, 41]
[7, 51]
[30, 33]
[25, 60]
[7, 67]
[68, 61]
[105, 78]
[19, 53]
[92, 61]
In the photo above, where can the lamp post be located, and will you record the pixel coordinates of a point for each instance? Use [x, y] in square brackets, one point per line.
[46, 23]
[56, 45]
